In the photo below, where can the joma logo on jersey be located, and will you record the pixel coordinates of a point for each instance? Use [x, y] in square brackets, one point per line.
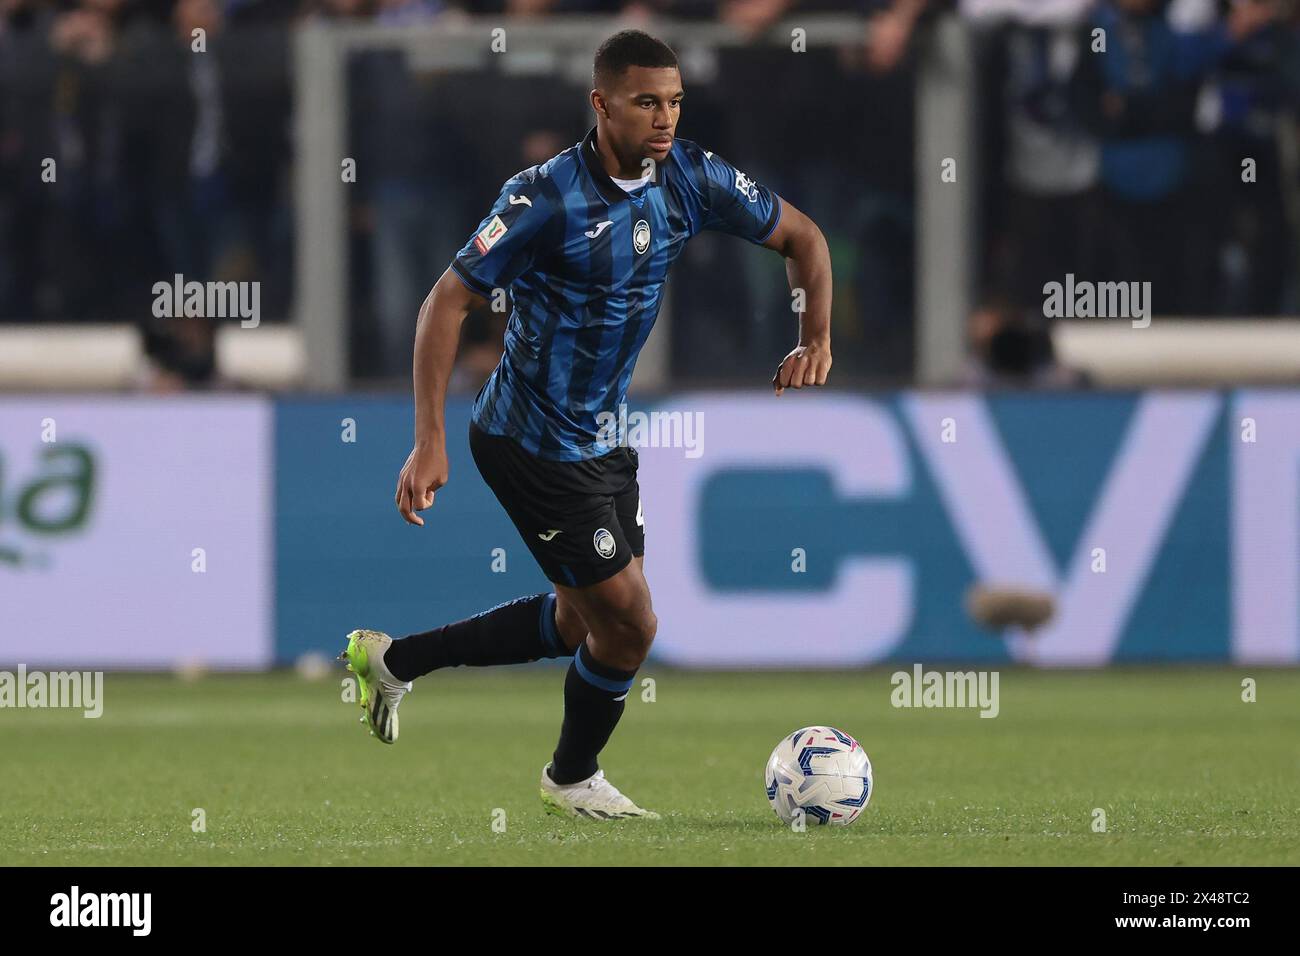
[489, 234]
[746, 186]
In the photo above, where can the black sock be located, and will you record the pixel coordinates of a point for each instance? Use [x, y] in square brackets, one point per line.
[594, 695]
[512, 633]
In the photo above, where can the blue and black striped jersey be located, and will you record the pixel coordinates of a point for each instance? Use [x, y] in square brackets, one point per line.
[585, 264]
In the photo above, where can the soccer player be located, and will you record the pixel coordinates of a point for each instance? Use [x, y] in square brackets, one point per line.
[583, 242]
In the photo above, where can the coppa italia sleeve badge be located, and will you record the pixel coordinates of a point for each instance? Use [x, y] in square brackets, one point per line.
[487, 236]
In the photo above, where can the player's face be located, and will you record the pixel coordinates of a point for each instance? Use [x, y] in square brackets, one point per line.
[643, 111]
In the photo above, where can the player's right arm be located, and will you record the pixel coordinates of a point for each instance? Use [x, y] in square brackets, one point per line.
[437, 333]
[504, 246]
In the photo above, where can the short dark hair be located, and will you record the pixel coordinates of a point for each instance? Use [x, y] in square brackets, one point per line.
[629, 48]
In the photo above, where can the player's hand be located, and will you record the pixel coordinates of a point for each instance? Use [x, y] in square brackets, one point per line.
[806, 365]
[423, 474]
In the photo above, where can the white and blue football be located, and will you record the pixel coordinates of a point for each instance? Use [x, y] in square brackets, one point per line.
[821, 773]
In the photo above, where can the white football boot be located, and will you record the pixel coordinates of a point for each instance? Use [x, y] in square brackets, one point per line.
[381, 692]
[593, 799]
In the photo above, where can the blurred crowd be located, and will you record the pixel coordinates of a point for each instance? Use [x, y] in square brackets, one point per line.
[1119, 162]
[1134, 140]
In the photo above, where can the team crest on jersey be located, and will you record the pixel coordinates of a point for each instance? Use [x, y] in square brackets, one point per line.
[641, 236]
[604, 542]
[487, 236]
[746, 186]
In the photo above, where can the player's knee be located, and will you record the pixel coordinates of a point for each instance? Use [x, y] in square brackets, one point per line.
[631, 629]
[623, 622]
[637, 629]
[646, 628]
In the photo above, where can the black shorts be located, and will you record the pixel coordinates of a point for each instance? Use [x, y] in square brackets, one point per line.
[580, 519]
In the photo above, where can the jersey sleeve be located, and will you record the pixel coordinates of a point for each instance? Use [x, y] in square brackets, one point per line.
[508, 239]
[736, 204]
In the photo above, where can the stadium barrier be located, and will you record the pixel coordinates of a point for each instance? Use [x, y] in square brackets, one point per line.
[826, 530]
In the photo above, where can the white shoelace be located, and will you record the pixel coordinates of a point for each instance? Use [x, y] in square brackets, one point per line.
[608, 795]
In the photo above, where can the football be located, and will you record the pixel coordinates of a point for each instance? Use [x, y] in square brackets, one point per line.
[821, 773]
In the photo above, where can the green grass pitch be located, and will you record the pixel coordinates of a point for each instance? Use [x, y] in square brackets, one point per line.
[1186, 772]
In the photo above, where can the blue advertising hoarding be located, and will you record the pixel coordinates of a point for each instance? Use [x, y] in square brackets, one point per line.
[834, 530]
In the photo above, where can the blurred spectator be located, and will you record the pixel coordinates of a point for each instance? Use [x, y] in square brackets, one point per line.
[890, 31]
[408, 151]
[1146, 87]
[180, 354]
[1043, 216]
[1011, 347]
[752, 17]
[1250, 110]
[1102, 159]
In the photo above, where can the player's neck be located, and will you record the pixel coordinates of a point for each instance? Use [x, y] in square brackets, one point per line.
[610, 163]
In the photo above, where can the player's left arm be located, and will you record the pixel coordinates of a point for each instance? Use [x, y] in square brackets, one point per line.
[808, 267]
